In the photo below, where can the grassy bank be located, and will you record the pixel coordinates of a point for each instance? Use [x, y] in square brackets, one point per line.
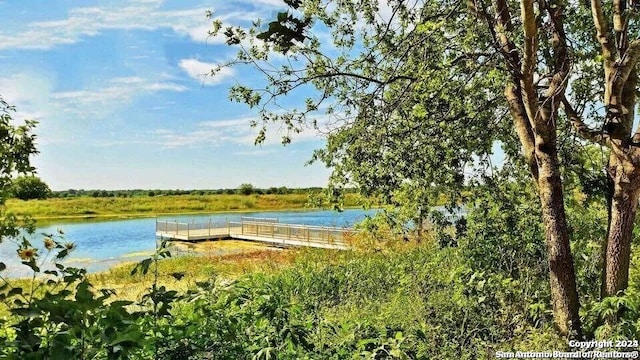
[444, 297]
[196, 262]
[413, 302]
[404, 301]
[88, 207]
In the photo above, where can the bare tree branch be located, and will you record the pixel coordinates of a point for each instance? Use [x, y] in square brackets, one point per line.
[582, 129]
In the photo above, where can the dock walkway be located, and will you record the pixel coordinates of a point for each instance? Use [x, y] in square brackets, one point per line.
[266, 230]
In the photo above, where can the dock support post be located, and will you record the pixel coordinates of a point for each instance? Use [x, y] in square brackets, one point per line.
[187, 231]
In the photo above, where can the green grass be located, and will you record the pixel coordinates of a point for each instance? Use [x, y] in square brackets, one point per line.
[198, 266]
[90, 207]
[196, 263]
[415, 301]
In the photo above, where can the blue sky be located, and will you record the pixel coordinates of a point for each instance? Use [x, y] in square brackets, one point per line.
[119, 91]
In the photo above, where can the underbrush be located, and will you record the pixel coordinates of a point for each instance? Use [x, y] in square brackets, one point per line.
[416, 301]
[466, 295]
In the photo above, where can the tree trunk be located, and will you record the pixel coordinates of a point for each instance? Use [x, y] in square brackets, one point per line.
[624, 204]
[564, 294]
[624, 189]
[540, 152]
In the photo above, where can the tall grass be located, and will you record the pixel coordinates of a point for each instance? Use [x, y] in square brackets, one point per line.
[156, 205]
[192, 268]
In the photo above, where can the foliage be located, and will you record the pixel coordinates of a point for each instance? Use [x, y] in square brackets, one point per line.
[393, 302]
[160, 192]
[246, 189]
[398, 125]
[417, 96]
[30, 187]
[60, 315]
[70, 207]
[17, 144]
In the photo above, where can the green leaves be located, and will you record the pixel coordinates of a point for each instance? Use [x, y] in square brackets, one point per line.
[142, 266]
[30, 187]
[17, 144]
[286, 31]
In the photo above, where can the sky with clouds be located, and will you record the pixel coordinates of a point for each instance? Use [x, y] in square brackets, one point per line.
[120, 93]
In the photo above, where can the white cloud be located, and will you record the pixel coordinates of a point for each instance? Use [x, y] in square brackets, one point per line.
[256, 152]
[273, 3]
[131, 15]
[201, 71]
[212, 133]
[116, 92]
[228, 131]
[63, 114]
[90, 21]
[29, 93]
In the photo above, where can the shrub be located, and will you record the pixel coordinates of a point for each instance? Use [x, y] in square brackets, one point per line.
[246, 189]
[30, 187]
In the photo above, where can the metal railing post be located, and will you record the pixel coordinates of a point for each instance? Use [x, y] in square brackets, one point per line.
[187, 231]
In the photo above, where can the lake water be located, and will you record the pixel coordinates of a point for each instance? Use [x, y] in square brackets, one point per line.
[102, 244]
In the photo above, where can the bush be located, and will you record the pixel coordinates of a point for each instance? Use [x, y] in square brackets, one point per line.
[246, 189]
[30, 187]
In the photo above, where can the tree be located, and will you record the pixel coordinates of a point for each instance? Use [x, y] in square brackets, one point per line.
[246, 189]
[17, 145]
[30, 187]
[418, 93]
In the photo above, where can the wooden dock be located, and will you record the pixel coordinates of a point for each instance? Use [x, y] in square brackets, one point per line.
[264, 230]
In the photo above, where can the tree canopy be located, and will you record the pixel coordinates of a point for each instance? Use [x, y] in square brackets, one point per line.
[418, 95]
[30, 187]
[17, 145]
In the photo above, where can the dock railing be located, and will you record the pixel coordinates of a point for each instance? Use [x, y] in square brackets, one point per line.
[259, 229]
[177, 227]
[296, 232]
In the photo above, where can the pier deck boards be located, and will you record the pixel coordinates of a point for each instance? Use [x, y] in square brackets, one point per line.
[263, 230]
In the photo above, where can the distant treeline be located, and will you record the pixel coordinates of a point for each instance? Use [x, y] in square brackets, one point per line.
[244, 189]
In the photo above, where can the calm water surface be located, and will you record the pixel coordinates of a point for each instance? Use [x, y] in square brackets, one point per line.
[100, 245]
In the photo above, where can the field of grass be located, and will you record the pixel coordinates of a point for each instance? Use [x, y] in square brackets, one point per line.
[194, 261]
[139, 206]
[401, 300]
[200, 263]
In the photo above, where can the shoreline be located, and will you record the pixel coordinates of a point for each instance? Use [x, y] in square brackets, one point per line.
[131, 216]
[211, 250]
[96, 209]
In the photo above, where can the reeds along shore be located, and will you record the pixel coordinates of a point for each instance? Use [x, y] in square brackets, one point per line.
[87, 207]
